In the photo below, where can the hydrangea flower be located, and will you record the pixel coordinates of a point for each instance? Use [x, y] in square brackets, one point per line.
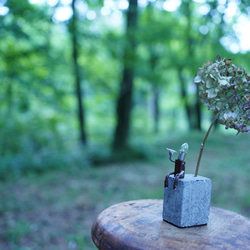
[225, 89]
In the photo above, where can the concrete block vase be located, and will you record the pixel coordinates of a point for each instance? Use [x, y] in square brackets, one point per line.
[188, 204]
[186, 197]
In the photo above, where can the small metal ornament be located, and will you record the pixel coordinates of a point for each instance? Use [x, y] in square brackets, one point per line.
[179, 171]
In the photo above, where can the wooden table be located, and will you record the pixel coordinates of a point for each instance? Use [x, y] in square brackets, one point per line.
[139, 225]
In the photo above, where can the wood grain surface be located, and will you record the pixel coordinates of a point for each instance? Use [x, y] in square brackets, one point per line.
[139, 225]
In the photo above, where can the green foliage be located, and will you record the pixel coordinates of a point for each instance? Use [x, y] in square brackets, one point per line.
[225, 91]
[36, 148]
[15, 232]
[38, 101]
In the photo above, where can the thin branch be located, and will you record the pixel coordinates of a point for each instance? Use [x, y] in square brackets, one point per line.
[202, 146]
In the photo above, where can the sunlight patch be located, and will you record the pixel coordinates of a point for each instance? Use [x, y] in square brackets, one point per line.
[63, 13]
[171, 5]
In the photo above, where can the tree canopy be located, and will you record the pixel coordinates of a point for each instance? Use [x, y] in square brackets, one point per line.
[65, 64]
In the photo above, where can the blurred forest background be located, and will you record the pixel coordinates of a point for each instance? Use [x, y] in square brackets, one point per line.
[92, 76]
[86, 83]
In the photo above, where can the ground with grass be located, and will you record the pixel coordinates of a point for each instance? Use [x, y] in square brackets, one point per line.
[55, 210]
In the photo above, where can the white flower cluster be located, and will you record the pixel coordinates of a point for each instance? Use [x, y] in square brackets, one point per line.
[225, 89]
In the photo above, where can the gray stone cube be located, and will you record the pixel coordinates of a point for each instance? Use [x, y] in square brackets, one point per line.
[189, 204]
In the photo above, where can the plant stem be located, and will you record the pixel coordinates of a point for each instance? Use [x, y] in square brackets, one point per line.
[202, 146]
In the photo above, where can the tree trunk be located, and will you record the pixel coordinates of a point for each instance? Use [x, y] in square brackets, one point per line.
[154, 57]
[9, 95]
[156, 108]
[184, 97]
[124, 101]
[194, 111]
[79, 94]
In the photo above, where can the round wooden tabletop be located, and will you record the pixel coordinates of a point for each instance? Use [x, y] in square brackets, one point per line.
[139, 225]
